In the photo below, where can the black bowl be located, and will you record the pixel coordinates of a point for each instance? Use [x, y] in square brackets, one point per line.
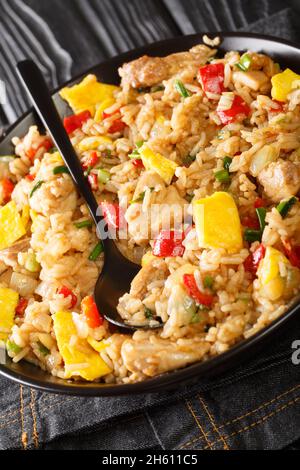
[288, 55]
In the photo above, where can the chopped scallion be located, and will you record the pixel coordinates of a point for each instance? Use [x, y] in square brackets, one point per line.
[13, 347]
[208, 282]
[261, 214]
[179, 86]
[83, 224]
[43, 350]
[148, 313]
[188, 159]
[36, 186]
[222, 176]
[103, 176]
[140, 198]
[284, 206]
[60, 169]
[96, 251]
[244, 63]
[252, 235]
[227, 162]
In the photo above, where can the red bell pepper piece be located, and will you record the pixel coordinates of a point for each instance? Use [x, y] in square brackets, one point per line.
[118, 125]
[91, 313]
[251, 263]
[259, 202]
[93, 180]
[71, 123]
[46, 144]
[292, 252]
[21, 307]
[6, 189]
[279, 107]
[90, 161]
[238, 109]
[169, 243]
[138, 163]
[30, 177]
[250, 222]
[190, 284]
[113, 215]
[212, 78]
[66, 292]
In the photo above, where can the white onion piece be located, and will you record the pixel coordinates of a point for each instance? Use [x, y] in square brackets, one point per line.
[262, 158]
[226, 101]
[81, 325]
[25, 285]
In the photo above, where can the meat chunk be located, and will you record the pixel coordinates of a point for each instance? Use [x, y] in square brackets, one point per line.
[280, 179]
[148, 71]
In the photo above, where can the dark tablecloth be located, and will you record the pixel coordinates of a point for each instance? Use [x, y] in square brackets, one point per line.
[253, 407]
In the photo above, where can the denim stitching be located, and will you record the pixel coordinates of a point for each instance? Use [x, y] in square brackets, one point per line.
[35, 433]
[212, 421]
[204, 435]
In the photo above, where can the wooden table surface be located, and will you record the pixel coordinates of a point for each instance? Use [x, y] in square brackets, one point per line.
[66, 37]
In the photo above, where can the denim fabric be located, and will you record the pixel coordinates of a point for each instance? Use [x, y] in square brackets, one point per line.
[253, 407]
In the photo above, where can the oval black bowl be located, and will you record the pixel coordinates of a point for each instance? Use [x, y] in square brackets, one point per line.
[288, 55]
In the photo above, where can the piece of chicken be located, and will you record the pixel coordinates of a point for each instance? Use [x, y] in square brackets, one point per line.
[153, 355]
[148, 71]
[280, 179]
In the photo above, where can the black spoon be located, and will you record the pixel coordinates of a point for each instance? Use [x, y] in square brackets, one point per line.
[118, 271]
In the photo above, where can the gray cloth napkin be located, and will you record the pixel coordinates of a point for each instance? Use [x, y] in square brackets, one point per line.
[253, 407]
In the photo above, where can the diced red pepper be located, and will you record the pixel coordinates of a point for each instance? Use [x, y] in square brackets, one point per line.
[212, 78]
[66, 292]
[6, 189]
[113, 215]
[251, 263]
[46, 144]
[292, 252]
[30, 177]
[259, 202]
[138, 163]
[93, 180]
[21, 307]
[250, 222]
[279, 107]
[169, 243]
[190, 284]
[71, 123]
[237, 110]
[91, 313]
[90, 161]
[118, 125]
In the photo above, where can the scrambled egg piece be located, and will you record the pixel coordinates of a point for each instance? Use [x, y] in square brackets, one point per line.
[25, 215]
[8, 302]
[217, 222]
[164, 167]
[64, 329]
[272, 283]
[282, 84]
[12, 226]
[87, 94]
[107, 103]
[92, 143]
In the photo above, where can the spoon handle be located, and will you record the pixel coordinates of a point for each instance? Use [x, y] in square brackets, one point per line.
[37, 89]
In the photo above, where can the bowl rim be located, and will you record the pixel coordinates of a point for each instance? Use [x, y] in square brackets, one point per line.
[178, 376]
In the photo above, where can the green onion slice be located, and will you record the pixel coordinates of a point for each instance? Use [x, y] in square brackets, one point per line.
[43, 350]
[261, 214]
[83, 224]
[227, 162]
[35, 187]
[103, 175]
[13, 347]
[244, 63]
[148, 313]
[252, 235]
[179, 86]
[222, 176]
[58, 170]
[96, 251]
[208, 282]
[284, 206]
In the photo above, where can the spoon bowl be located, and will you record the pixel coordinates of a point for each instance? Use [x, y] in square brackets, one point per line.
[118, 271]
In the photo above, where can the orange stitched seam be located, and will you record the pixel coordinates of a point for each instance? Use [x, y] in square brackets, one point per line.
[252, 425]
[189, 406]
[249, 413]
[212, 421]
[35, 433]
[265, 418]
[23, 433]
[16, 411]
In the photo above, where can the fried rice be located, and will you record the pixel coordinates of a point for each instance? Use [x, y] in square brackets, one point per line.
[207, 297]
